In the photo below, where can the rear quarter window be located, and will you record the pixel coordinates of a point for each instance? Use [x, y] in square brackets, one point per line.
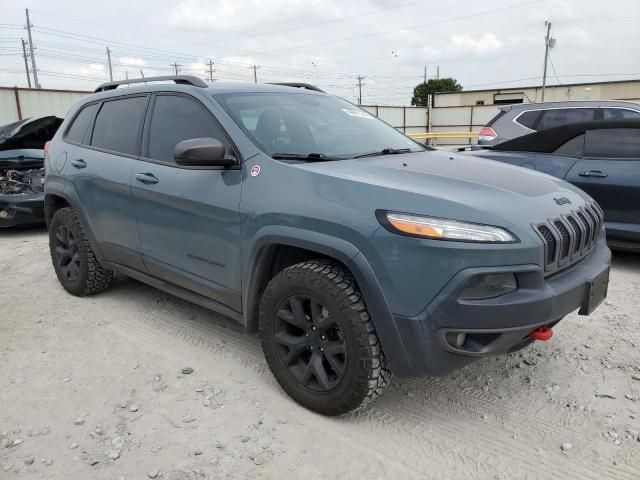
[528, 119]
[77, 131]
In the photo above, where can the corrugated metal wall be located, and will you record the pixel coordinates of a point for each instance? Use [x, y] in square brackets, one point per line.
[444, 119]
[17, 103]
[405, 119]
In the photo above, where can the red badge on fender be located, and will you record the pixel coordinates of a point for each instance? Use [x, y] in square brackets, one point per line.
[255, 170]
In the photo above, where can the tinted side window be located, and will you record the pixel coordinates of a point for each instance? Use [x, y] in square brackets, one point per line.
[78, 129]
[118, 124]
[613, 143]
[573, 147]
[528, 119]
[175, 119]
[562, 116]
[618, 114]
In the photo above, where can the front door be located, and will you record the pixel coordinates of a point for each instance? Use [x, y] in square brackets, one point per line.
[188, 218]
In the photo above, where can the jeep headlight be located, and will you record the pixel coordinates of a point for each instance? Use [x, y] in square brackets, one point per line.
[444, 229]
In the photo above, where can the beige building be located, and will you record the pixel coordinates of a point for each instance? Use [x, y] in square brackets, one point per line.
[618, 90]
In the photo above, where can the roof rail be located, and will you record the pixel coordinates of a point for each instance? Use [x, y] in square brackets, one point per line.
[179, 79]
[300, 85]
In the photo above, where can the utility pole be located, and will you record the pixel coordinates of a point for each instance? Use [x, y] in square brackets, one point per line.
[548, 44]
[360, 85]
[175, 66]
[438, 72]
[26, 64]
[33, 57]
[425, 74]
[211, 70]
[110, 68]
[255, 73]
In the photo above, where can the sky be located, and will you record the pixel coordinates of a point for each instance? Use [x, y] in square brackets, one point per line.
[329, 43]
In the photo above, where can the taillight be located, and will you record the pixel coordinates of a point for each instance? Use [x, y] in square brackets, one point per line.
[487, 134]
[46, 148]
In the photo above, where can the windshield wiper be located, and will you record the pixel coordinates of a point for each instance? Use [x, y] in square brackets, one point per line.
[314, 157]
[385, 151]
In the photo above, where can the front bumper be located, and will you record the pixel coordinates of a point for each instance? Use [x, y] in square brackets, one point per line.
[493, 326]
[21, 210]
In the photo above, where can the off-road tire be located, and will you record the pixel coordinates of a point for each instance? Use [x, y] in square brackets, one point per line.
[365, 374]
[92, 277]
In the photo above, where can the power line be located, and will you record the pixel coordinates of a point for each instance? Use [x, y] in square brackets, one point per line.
[553, 67]
[308, 25]
[375, 34]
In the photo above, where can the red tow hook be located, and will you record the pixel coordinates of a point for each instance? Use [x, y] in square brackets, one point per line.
[543, 334]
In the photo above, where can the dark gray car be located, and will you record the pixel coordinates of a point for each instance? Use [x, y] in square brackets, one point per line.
[355, 251]
[521, 119]
[602, 158]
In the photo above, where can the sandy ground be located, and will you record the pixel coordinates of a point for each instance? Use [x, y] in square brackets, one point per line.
[92, 388]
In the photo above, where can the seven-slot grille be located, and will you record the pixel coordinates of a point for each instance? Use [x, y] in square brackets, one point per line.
[570, 237]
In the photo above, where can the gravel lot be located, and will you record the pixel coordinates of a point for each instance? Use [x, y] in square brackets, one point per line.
[93, 388]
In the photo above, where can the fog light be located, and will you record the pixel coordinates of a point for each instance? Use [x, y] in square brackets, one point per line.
[489, 285]
[460, 339]
[4, 213]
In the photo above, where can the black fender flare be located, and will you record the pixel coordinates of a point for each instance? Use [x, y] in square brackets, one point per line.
[72, 199]
[342, 251]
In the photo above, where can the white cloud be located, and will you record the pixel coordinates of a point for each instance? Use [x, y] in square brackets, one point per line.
[132, 61]
[479, 46]
[248, 16]
[91, 70]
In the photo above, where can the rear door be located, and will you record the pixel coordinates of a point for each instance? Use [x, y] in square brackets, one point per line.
[100, 171]
[610, 173]
[188, 217]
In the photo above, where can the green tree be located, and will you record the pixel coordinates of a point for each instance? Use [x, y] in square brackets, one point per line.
[435, 85]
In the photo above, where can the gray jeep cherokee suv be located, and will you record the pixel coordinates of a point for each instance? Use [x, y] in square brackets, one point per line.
[355, 251]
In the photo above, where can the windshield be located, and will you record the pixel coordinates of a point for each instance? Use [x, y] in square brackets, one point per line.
[322, 125]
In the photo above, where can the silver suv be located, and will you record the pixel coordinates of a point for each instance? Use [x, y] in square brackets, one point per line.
[520, 119]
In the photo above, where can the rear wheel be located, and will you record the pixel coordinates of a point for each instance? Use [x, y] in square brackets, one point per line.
[74, 262]
[319, 340]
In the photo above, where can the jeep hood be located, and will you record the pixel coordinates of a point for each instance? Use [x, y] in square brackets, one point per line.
[445, 184]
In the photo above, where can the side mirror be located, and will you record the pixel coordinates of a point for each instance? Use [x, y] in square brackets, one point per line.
[202, 152]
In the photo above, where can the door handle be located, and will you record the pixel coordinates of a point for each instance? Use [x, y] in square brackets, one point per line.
[146, 178]
[594, 174]
[78, 163]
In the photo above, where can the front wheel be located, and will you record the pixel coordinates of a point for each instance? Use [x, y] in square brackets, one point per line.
[319, 340]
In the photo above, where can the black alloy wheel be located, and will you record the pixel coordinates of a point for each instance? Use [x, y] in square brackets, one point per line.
[312, 347]
[67, 255]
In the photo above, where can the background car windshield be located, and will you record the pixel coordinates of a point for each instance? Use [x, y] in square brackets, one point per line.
[297, 123]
